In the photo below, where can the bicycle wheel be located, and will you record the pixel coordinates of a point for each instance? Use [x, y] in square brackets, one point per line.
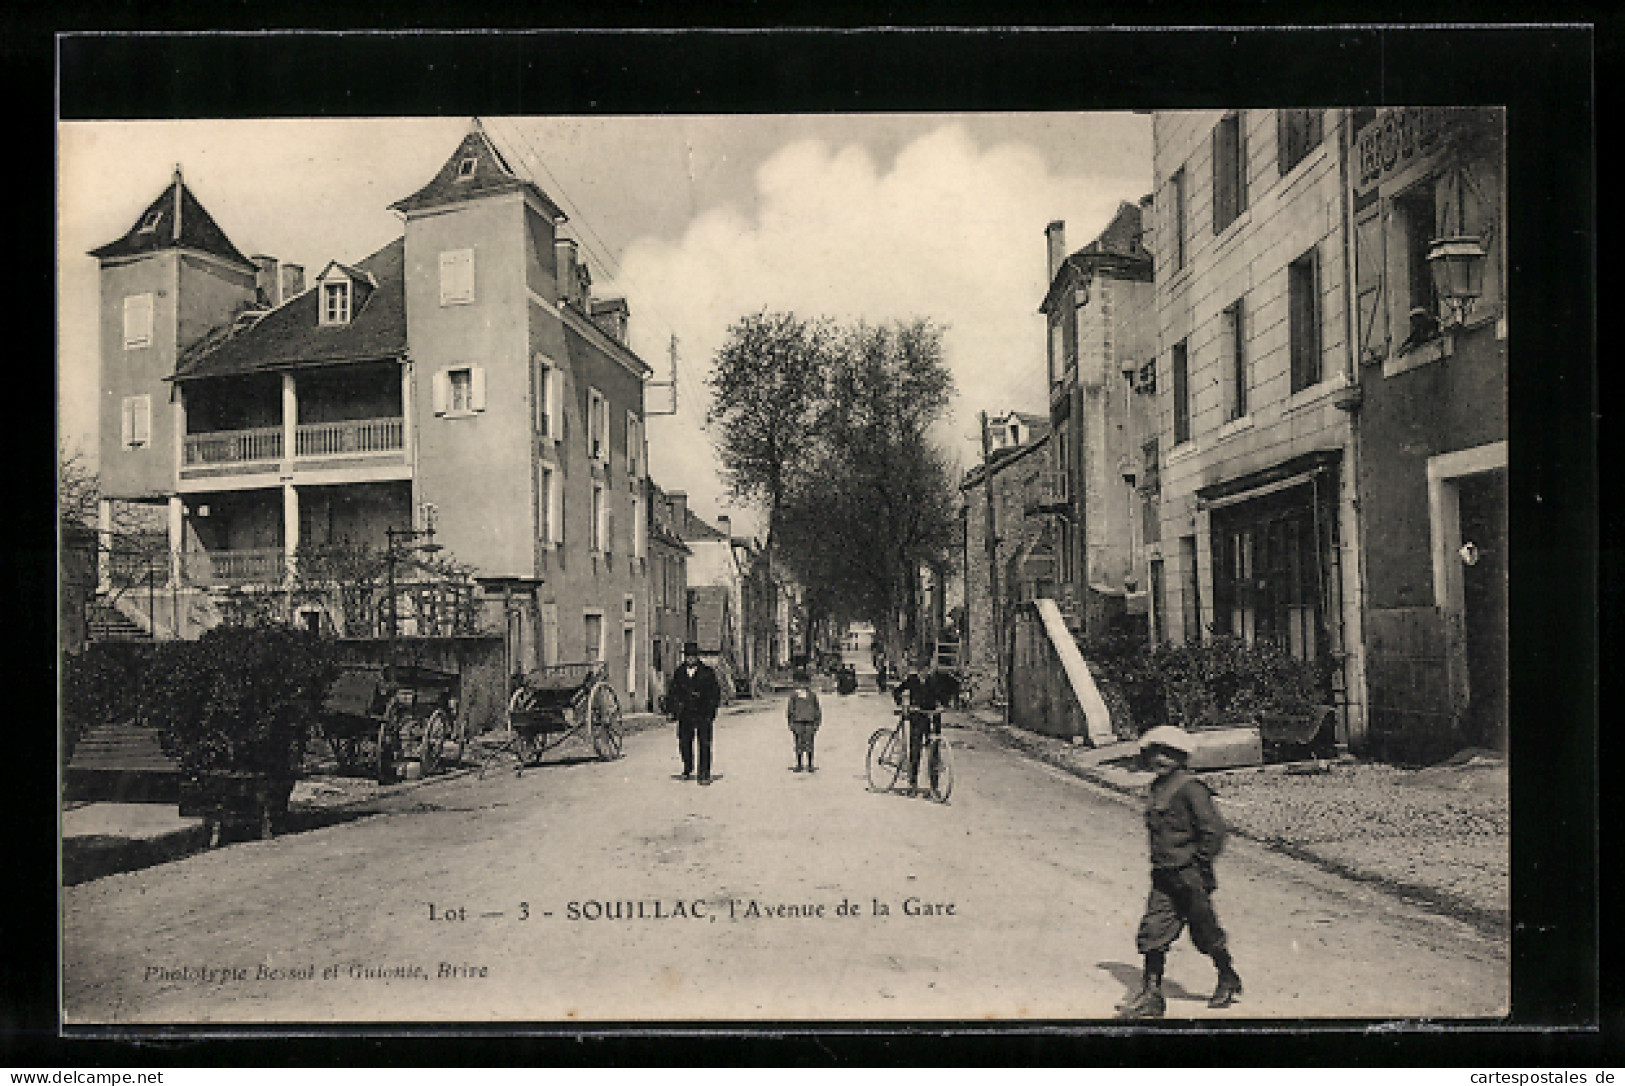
[884, 762]
[940, 767]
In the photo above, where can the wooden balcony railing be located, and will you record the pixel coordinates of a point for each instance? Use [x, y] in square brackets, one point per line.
[1047, 493]
[354, 436]
[233, 446]
[262, 566]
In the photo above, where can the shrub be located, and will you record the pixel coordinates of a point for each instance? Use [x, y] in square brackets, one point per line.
[237, 698]
[99, 687]
[1219, 681]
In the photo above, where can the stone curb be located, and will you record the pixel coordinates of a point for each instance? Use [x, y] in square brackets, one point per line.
[1125, 788]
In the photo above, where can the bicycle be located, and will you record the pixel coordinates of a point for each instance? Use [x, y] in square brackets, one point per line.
[888, 757]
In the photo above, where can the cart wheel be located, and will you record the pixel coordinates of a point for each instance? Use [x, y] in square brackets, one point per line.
[604, 720]
[434, 741]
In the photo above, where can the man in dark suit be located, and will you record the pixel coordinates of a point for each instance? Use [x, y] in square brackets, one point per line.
[693, 698]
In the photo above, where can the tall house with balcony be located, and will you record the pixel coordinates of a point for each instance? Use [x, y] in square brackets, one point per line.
[1427, 203]
[1097, 311]
[1254, 389]
[461, 378]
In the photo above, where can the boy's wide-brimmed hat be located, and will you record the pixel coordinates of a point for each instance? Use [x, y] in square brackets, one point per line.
[1177, 740]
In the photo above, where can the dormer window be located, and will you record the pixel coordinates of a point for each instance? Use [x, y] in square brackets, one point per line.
[465, 168]
[149, 225]
[336, 302]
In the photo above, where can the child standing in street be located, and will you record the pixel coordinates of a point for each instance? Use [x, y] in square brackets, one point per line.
[804, 716]
[1186, 835]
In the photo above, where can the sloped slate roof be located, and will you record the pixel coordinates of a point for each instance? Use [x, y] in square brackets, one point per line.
[1118, 248]
[197, 230]
[698, 531]
[293, 334]
[490, 176]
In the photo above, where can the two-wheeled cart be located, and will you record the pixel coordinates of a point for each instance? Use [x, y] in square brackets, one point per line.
[379, 716]
[551, 705]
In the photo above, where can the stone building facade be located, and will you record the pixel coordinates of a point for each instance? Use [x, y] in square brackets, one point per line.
[1255, 370]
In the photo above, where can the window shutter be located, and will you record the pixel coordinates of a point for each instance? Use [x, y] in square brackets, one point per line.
[609, 532]
[555, 399]
[137, 320]
[457, 277]
[442, 392]
[1370, 256]
[1479, 189]
[1223, 195]
[141, 430]
[1240, 164]
[476, 388]
[127, 421]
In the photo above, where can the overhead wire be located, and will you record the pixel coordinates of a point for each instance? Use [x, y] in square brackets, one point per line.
[685, 378]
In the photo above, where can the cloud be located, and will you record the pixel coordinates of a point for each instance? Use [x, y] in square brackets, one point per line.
[949, 230]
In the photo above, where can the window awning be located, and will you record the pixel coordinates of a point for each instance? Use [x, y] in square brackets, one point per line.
[1288, 473]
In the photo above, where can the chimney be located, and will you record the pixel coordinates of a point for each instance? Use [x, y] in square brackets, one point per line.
[564, 268]
[293, 281]
[1055, 235]
[611, 315]
[679, 510]
[267, 285]
[725, 525]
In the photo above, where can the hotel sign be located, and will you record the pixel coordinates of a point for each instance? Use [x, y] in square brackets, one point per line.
[1393, 142]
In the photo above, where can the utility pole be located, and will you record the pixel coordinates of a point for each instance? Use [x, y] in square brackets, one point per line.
[991, 538]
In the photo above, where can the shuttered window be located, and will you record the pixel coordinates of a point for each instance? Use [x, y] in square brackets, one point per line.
[1229, 172]
[1370, 260]
[597, 425]
[137, 321]
[598, 523]
[548, 384]
[1235, 347]
[1303, 301]
[1181, 394]
[1176, 199]
[1297, 132]
[136, 424]
[459, 390]
[457, 277]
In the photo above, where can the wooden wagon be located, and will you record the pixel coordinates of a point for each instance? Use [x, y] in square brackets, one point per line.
[383, 715]
[551, 705]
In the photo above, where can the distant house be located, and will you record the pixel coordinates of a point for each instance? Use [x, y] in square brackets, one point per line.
[668, 591]
[1008, 554]
[461, 379]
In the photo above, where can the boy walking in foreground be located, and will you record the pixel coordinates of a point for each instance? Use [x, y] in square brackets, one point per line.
[804, 716]
[1186, 836]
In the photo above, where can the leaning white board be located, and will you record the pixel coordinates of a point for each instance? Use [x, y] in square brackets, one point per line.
[1095, 713]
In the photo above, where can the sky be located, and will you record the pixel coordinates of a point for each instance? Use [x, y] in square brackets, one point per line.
[695, 220]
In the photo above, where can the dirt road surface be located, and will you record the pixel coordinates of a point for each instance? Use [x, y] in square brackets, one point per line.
[769, 895]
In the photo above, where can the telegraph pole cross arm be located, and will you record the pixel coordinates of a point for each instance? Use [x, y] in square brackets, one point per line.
[671, 384]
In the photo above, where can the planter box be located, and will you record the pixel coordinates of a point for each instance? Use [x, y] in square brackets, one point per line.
[1226, 748]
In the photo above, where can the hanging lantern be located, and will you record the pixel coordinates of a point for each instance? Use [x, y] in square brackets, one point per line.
[1457, 264]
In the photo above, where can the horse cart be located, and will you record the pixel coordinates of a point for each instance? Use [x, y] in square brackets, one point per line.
[385, 715]
[551, 705]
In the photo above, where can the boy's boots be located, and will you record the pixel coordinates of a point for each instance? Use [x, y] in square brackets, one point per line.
[1228, 991]
[1146, 1003]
